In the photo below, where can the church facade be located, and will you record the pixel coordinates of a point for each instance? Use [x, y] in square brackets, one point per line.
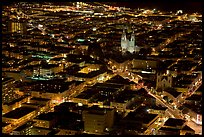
[128, 45]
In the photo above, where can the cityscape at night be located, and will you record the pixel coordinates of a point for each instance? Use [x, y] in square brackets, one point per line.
[101, 68]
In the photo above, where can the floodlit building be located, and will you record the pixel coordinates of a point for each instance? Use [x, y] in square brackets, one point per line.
[56, 90]
[17, 26]
[46, 120]
[8, 90]
[128, 45]
[18, 117]
[164, 80]
[46, 71]
[25, 129]
[97, 120]
[193, 105]
[7, 107]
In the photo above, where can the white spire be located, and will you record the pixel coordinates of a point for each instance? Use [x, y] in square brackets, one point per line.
[124, 35]
[132, 36]
[124, 41]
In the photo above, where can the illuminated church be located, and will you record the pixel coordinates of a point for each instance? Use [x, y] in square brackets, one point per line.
[128, 45]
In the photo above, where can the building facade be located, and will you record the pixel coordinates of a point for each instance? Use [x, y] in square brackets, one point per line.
[128, 45]
[98, 121]
[17, 27]
[164, 80]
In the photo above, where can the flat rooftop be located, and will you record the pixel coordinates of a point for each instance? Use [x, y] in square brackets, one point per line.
[194, 107]
[39, 99]
[123, 96]
[17, 100]
[103, 87]
[33, 104]
[174, 122]
[141, 115]
[195, 97]
[3, 124]
[170, 131]
[97, 110]
[155, 107]
[44, 130]
[187, 128]
[24, 126]
[52, 86]
[47, 116]
[173, 92]
[70, 125]
[6, 79]
[133, 126]
[108, 85]
[19, 112]
[68, 120]
[88, 93]
[90, 74]
[118, 79]
[69, 106]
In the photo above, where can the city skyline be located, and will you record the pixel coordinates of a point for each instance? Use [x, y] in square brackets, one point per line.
[188, 6]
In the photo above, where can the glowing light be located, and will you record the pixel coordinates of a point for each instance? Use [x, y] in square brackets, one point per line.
[80, 104]
[80, 40]
[40, 26]
[94, 29]
[48, 61]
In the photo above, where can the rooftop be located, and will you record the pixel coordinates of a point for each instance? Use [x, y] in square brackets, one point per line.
[197, 108]
[17, 100]
[124, 96]
[19, 112]
[140, 115]
[195, 97]
[187, 128]
[90, 74]
[6, 79]
[108, 85]
[97, 110]
[69, 106]
[24, 126]
[174, 122]
[69, 120]
[170, 131]
[55, 85]
[173, 92]
[47, 116]
[118, 79]
[3, 124]
[88, 93]
[39, 99]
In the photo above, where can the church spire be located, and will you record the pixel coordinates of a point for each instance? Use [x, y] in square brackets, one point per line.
[124, 35]
[132, 36]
